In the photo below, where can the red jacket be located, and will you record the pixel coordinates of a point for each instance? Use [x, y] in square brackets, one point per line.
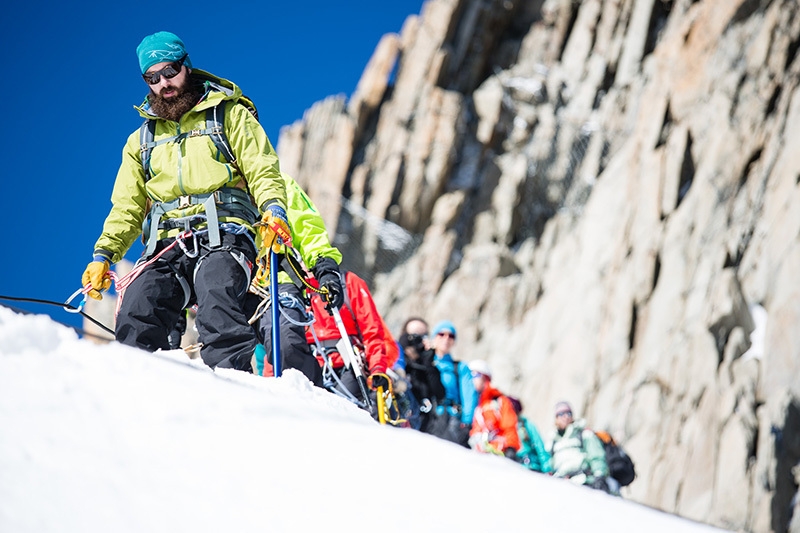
[359, 307]
[494, 422]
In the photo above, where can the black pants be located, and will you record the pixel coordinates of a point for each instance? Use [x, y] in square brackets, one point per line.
[216, 280]
[295, 351]
[347, 383]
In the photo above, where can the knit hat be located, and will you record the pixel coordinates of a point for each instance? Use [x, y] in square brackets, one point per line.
[481, 367]
[444, 325]
[160, 47]
[562, 406]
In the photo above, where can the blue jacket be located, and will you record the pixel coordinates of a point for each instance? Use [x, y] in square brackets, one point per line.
[459, 390]
[401, 360]
[532, 452]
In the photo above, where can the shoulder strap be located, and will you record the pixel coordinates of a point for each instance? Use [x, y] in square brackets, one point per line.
[215, 125]
[457, 370]
[147, 132]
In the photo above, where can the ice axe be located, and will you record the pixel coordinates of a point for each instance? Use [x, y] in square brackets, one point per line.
[350, 356]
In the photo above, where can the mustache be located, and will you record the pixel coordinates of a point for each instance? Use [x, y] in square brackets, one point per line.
[177, 90]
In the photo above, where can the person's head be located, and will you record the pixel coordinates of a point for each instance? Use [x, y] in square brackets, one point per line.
[165, 67]
[444, 336]
[481, 374]
[563, 412]
[414, 337]
[416, 325]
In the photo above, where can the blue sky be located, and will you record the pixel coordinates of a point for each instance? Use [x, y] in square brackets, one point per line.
[72, 78]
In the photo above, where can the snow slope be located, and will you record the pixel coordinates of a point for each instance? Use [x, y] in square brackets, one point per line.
[112, 439]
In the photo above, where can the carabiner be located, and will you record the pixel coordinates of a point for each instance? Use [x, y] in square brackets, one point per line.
[180, 239]
[73, 309]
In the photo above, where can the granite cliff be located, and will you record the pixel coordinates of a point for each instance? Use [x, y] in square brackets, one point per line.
[607, 199]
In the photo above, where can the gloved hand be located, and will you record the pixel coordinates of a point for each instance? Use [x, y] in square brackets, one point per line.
[378, 379]
[327, 273]
[95, 275]
[510, 453]
[274, 228]
[599, 483]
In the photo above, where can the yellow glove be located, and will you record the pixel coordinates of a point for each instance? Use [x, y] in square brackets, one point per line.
[96, 276]
[274, 228]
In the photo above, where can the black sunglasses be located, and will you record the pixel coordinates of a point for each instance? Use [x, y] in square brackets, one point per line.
[169, 72]
[564, 413]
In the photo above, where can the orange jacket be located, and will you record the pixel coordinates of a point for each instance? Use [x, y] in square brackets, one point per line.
[494, 422]
[359, 308]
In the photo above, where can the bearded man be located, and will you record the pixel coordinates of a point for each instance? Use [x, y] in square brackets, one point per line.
[195, 207]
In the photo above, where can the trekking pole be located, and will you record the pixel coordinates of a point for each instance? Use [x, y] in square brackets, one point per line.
[276, 332]
[351, 355]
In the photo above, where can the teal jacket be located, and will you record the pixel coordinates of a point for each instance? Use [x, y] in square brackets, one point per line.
[532, 452]
[459, 391]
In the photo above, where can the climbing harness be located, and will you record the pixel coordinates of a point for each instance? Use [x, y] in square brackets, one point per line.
[228, 201]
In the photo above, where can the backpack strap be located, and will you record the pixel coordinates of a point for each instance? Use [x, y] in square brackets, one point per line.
[215, 125]
[457, 371]
[147, 133]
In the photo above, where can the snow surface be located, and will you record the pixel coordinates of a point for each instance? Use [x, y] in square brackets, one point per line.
[107, 438]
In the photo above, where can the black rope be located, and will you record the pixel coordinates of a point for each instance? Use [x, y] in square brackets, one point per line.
[65, 306]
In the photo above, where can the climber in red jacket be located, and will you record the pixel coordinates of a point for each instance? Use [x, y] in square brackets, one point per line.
[367, 332]
[494, 424]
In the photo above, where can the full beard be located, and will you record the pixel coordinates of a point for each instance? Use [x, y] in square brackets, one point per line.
[174, 107]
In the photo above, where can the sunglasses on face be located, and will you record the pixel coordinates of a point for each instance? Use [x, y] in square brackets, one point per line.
[563, 413]
[169, 72]
[477, 375]
[446, 334]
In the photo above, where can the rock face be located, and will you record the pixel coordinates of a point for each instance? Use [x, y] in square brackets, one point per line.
[609, 194]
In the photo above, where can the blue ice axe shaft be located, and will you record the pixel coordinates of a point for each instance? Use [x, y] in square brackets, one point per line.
[275, 310]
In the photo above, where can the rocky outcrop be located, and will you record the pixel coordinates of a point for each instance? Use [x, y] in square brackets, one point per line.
[609, 194]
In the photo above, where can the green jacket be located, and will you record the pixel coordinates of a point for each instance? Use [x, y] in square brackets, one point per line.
[309, 235]
[190, 166]
[578, 451]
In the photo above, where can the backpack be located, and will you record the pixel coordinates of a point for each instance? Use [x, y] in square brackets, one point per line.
[620, 465]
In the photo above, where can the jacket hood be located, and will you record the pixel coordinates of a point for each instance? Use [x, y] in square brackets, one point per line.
[578, 425]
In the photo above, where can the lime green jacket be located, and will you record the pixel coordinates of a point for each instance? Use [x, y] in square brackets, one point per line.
[309, 235]
[190, 166]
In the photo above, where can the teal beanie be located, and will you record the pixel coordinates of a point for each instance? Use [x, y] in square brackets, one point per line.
[160, 47]
[444, 325]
